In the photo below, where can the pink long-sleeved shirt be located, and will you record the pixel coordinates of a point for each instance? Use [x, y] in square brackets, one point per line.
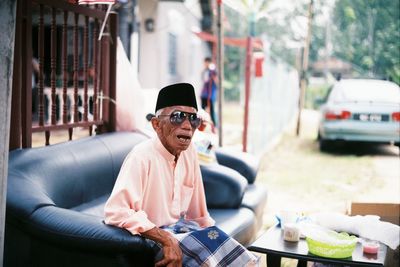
[152, 190]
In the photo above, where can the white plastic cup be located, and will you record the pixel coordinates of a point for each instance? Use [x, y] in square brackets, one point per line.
[291, 232]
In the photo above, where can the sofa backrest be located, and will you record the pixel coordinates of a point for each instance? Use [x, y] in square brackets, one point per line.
[68, 174]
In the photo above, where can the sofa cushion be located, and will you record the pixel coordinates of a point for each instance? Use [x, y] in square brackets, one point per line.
[68, 174]
[238, 223]
[244, 163]
[255, 199]
[94, 207]
[119, 145]
[223, 186]
[65, 172]
[74, 229]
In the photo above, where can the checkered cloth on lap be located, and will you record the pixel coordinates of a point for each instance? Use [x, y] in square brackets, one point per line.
[210, 247]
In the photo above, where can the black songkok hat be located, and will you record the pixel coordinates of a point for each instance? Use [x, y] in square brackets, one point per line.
[179, 94]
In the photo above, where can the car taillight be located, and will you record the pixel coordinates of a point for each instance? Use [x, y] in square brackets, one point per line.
[396, 116]
[337, 115]
[345, 115]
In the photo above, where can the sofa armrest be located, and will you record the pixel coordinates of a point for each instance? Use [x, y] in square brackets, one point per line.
[69, 228]
[244, 163]
[224, 187]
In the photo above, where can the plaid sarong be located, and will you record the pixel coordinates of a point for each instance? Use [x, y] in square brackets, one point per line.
[209, 246]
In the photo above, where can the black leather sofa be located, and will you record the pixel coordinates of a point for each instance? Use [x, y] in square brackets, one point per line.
[56, 195]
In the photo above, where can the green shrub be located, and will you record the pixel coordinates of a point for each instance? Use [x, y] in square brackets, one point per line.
[315, 93]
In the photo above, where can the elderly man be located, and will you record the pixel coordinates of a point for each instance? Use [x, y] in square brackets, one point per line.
[159, 192]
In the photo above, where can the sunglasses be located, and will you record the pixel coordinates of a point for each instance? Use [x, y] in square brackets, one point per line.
[178, 117]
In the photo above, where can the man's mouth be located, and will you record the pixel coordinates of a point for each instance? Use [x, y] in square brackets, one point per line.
[185, 139]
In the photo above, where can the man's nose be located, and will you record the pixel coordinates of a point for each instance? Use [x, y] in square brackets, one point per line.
[186, 124]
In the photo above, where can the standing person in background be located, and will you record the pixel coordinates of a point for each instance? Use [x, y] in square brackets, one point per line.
[35, 94]
[209, 91]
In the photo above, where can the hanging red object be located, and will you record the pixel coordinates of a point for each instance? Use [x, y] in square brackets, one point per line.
[258, 61]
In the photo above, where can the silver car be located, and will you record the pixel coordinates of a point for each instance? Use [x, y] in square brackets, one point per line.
[360, 110]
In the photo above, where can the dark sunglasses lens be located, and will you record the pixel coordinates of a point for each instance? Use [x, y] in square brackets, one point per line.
[177, 118]
[194, 120]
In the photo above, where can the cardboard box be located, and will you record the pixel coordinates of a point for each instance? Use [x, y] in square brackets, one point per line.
[389, 212]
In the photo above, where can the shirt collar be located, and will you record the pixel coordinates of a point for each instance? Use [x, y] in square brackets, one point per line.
[162, 150]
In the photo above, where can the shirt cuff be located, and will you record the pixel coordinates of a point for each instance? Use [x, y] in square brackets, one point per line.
[205, 221]
[138, 223]
[135, 222]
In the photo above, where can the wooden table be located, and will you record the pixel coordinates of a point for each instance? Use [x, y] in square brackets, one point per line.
[272, 244]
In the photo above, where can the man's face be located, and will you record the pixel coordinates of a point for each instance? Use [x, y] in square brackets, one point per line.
[175, 138]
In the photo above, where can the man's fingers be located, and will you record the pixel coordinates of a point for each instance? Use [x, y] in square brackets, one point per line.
[161, 263]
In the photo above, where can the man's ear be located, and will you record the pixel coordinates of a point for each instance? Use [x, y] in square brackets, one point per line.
[155, 122]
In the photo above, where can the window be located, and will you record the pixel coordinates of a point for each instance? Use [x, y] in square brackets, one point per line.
[172, 55]
[366, 91]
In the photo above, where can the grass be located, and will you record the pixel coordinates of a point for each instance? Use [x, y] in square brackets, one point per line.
[314, 181]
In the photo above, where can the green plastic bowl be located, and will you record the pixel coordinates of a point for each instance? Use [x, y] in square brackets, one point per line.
[337, 251]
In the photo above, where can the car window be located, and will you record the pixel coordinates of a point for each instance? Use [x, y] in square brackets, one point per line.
[365, 91]
[336, 94]
[325, 98]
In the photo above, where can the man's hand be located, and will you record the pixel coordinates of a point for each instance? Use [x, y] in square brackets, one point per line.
[171, 249]
[172, 255]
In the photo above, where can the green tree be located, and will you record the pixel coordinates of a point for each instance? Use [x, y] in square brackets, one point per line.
[286, 30]
[234, 57]
[242, 18]
[366, 33]
[283, 27]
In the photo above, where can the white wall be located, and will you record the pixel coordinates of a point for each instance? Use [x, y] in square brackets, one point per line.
[180, 20]
[149, 53]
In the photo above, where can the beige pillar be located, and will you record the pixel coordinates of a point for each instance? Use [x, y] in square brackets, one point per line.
[7, 20]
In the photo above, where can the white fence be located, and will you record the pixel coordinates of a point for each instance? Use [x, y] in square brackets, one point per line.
[273, 104]
[60, 103]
